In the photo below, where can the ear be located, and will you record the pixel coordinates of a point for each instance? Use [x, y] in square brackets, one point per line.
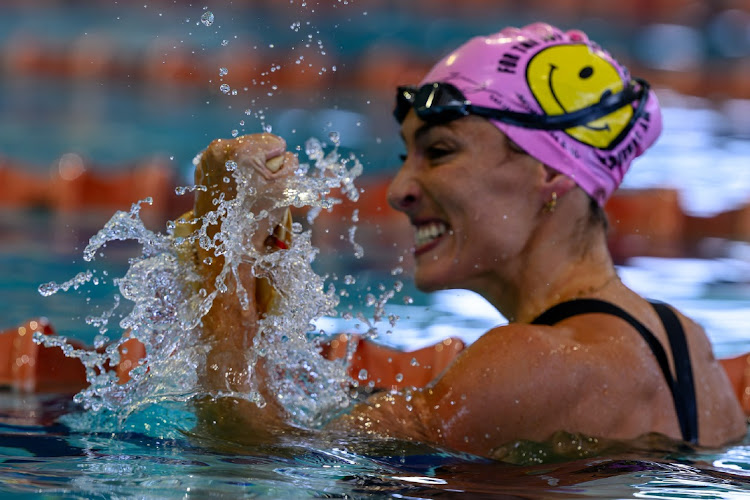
[555, 182]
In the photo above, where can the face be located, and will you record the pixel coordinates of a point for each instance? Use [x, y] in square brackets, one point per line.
[472, 201]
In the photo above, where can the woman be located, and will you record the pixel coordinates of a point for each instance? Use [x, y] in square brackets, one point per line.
[513, 144]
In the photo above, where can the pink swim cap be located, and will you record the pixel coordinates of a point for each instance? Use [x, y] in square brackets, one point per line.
[539, 69]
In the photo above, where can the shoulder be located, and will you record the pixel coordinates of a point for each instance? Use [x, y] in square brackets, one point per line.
[517, 381]
[555, 364]
[518, 343]
[520, 363]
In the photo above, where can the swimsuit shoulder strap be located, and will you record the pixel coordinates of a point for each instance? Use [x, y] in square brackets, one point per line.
[682, 388]
[685, 400]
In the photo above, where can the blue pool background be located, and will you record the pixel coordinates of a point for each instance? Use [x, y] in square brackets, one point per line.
[109, 113]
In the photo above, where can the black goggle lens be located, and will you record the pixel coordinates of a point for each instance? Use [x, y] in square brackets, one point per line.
[433, 102]
[443, 102]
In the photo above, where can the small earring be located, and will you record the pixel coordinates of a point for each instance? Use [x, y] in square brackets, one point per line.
[549, 207]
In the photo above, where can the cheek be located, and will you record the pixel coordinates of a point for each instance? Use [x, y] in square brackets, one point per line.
[496, 204]
[501, 227]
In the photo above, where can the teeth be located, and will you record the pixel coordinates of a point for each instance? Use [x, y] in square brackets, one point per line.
[428, 232]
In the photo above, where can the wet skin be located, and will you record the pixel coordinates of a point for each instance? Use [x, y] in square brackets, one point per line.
[463, 180]
[589, 374]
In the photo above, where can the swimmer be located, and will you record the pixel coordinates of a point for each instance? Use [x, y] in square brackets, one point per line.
[513, 144]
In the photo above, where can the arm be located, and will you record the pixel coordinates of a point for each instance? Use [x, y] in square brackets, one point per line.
[228, 328]
[496, 391]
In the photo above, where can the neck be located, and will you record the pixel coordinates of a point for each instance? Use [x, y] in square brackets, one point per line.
[557, 264]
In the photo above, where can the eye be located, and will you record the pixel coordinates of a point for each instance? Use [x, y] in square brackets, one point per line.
[437, 152]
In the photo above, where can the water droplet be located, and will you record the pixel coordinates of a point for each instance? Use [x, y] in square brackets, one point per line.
[48, 289]
[408, 300]
[224, 43]
[399, 377]
[362, 374]
[414, 362]
[225, 88]
[100, 341]
[397, 270]
[223, 71]
[235, 133]
[349, 279]
[207, 18]
[335, 138]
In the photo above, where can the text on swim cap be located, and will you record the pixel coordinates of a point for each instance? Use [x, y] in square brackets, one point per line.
[629, 151]
[508, 63]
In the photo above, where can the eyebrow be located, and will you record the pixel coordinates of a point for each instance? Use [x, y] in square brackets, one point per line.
[424, 129]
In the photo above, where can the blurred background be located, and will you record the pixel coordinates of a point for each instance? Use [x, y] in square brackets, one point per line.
[105, 102]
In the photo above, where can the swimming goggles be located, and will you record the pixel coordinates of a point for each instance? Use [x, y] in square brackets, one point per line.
[442, 102]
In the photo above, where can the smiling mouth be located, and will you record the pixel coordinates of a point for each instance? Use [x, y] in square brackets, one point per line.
[552, 69]
[429, 232]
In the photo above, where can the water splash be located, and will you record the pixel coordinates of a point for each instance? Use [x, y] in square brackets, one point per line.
[169, 300]
[207, 18]
[79, 279]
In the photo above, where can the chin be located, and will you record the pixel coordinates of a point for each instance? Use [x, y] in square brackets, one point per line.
[426, 282]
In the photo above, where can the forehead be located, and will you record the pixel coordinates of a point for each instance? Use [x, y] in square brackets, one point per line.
[473, 129]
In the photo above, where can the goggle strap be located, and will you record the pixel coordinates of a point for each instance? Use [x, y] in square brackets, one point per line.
[608, 104]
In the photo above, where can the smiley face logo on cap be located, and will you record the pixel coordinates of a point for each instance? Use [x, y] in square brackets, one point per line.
[566, 78]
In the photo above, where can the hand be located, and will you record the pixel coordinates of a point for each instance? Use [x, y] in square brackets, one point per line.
[261, 157]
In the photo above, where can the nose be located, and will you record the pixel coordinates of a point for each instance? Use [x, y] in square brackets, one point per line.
[404, 192]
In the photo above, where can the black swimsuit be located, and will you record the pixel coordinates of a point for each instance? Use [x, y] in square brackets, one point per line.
[681, 386]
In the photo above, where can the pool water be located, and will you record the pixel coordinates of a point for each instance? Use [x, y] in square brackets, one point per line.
[39, 456]
[153, 455]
